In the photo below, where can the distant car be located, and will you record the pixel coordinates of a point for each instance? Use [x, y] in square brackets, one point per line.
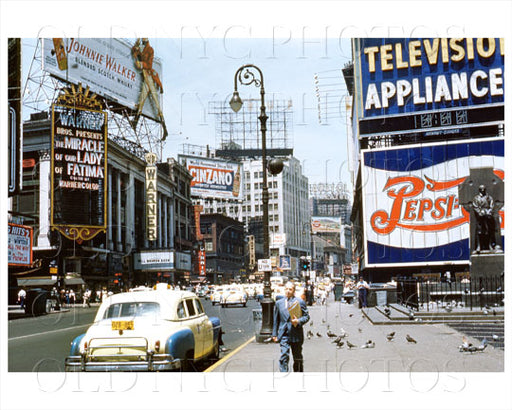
[202, 291]
[216, 294]
[233, 296]
[147, 330]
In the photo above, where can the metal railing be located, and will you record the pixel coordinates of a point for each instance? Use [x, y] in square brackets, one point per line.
[480, 293]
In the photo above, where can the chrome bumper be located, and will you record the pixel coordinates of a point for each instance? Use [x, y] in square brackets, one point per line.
[154, 362]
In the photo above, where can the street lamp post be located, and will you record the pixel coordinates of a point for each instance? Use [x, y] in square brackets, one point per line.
[246, 76]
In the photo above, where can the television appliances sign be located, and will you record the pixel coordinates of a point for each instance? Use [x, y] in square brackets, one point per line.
[404, 75]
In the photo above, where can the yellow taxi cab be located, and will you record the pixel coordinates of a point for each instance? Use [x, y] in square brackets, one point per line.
[147, 330]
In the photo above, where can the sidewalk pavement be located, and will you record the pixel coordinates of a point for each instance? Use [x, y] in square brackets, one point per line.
[436, 350]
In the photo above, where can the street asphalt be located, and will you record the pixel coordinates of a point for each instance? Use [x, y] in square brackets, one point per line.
[436, 348]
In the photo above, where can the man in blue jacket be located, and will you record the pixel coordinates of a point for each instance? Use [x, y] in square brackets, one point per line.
[290, 315]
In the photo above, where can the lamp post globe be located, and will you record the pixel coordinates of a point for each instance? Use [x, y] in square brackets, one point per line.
[275, 166]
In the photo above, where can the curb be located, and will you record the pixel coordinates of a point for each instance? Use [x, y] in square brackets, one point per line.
[227, 357]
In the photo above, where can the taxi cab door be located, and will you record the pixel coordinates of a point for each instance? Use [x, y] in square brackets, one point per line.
[195, 323]
[206, 327]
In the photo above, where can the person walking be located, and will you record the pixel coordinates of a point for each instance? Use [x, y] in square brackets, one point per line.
[22, 294]
[290, 315]
[362, 292]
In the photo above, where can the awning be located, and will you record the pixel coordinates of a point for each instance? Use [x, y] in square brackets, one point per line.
[73, 281]
[29, 282]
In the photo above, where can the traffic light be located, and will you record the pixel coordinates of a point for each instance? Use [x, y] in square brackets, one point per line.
[304, 263]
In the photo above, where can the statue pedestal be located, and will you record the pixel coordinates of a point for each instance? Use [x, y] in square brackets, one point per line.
[487, 265]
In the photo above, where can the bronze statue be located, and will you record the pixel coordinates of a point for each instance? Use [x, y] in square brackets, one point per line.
[483, 207]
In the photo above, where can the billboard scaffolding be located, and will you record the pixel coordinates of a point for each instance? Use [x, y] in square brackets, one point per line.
[42, 88]
[239, 134]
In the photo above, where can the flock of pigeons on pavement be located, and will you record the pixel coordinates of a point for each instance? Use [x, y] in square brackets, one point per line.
[341, 339]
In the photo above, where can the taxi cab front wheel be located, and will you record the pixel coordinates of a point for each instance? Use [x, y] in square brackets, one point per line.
[187, 364]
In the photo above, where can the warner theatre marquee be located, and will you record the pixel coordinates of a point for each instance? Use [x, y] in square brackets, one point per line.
[458, 82]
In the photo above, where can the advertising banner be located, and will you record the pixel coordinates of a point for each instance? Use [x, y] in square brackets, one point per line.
[78, 164]
[325, 225]
[412, 211]
[153, 260]
[285, 262]
[406, 75]
[19, 245]
[151, 197]
[107, 65]
[213, 178]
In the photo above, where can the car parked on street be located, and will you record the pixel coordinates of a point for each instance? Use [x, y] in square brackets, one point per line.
[148, 330]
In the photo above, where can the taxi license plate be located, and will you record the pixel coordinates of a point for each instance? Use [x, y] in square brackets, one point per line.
[122, 325]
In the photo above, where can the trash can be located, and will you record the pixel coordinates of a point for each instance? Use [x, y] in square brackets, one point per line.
[257, 316]
[338, 292]
[37, 302]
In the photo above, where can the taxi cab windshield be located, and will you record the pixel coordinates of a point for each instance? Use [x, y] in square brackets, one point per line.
[135, 309]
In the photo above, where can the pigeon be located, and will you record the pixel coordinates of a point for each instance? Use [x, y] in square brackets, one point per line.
[390, 337]
[495, 337]
[410, 339]
[323, 321]
[448, 308]
[464, 347]
[392, 334]
[494, 312]
[331, 334]
[350, 345]
[340, 344]
[318, 334]
[498, 290]
[482, 347]
[411, 315]
[311, 323]
[309, 334]
[368, 345]
[387, 311]
[351, 315]
[360, 330]
[337, 340]
[485, 312]
[466, 291]
[472, 349]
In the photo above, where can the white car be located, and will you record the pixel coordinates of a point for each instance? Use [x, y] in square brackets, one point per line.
[216, 295]
[233, 296]
[147, 330]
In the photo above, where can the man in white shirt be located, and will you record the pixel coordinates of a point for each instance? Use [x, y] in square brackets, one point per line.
[22, 294]
[362, 290]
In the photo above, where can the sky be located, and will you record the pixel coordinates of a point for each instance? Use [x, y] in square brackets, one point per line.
[196, 71]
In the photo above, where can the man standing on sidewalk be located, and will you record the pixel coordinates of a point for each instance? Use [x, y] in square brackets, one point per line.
[290, 315]
[362, 289]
